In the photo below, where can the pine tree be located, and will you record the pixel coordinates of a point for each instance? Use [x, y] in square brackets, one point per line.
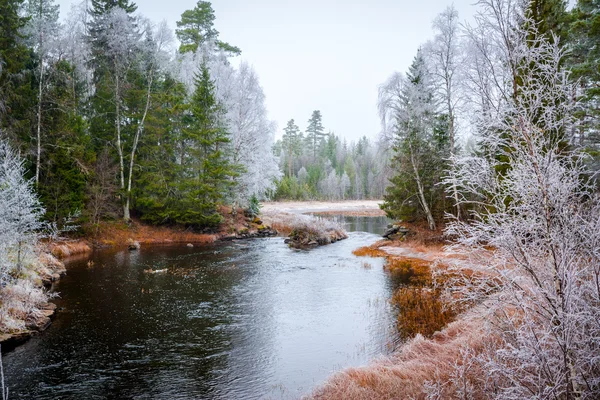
[291, 143]
[315, 134]
[197, 27]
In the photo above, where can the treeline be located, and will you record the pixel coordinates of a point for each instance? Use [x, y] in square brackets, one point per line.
[114, 121]
[466, 75]
[321, 165]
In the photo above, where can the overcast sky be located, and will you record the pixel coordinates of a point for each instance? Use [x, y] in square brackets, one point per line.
[327, 55]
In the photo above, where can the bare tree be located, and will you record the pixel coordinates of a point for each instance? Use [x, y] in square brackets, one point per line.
[153, 54]
[42, 30]
[444, 55]
[20, 214]
[542, 217]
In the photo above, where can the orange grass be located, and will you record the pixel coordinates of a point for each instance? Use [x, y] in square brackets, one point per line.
[421, 311]
[119, 233]
[409, 271]
[62, 250]
[420, 360]
[369, 251]
[372, 250]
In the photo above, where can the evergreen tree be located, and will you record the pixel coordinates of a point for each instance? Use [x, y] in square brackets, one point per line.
[16, 89]
[197, 27]
[291, 143]
[314, 134]
[207, 172]
[584, 63]
[412, 192]
[549, 16]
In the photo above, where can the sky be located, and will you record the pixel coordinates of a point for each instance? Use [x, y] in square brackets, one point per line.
[327, 55]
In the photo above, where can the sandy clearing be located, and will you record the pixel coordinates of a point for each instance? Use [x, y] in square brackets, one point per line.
[354, 207]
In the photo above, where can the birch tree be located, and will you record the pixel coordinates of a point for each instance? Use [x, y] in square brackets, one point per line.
[252, 136]
[444, 57]
[152, 57]
[117, 34]
[542, 297]
[42, 31]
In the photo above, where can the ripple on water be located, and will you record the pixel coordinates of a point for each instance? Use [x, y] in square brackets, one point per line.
[243, 320]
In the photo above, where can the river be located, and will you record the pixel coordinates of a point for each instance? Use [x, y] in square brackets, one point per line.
[243, 320]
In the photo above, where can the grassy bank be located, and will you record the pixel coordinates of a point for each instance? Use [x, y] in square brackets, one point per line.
[438, 334]
[25, 307]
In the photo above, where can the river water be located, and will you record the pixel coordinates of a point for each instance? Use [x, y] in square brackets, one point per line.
[248, 319]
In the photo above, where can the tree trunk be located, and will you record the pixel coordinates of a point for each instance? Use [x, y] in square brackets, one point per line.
[424, 204]
[39, 110]
[136, 141]
[126, 216]
[451, 134]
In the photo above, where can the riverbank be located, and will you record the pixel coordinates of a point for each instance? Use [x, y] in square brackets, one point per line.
[367, 208]
[439, 336]
[25, 306]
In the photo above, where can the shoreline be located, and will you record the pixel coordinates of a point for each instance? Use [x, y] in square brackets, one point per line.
[420, 360]
[117, 234]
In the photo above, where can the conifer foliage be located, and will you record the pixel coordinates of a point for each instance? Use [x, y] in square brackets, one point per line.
[114, 122]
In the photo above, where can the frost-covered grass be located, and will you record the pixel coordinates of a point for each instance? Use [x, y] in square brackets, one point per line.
[23, 295]
[305, 229]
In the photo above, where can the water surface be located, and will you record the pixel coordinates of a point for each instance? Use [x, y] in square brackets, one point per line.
[250, 319]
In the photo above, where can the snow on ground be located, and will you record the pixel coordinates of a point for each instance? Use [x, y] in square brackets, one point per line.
[354, 207]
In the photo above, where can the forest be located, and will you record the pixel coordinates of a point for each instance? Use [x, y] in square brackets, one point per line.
[491, 138]
[112, 120]
[324, 166]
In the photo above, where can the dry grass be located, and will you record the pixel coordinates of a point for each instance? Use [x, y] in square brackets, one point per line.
[119, 233]
[305, 228]
[415, 367]
[371, 251]
[62, 250]
[421, 310]
[20, 304]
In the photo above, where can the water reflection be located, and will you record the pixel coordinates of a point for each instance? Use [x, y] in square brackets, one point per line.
[251, 319]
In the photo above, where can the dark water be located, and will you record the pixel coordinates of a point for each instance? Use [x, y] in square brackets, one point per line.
[251, 319]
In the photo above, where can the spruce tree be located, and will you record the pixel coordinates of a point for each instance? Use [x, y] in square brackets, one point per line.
[207, 173]
[584, 64]
[413, 192]
[16, 89]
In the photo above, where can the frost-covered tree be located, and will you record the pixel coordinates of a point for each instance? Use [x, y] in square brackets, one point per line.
[444, 57]
[115, 41]
[291, 144]
[252, 136]
[152, 59]
[541, 216]
[20, 214]
[408, 104]
[42, 31]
